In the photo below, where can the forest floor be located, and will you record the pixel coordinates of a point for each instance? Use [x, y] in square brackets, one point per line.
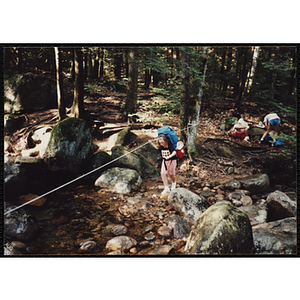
[72, 215]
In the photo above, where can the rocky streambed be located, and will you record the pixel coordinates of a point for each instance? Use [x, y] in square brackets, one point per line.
[81, 220]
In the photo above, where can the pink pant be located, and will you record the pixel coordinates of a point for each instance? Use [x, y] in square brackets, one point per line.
[171, 166]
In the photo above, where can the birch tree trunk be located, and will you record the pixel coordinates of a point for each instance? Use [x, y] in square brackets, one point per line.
[59, 86]
[192, 130]
[253, 68]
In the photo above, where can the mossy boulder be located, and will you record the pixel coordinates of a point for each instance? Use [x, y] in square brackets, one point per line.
[256, 133]
[28, 92]
[133, 161]
[69, 146]
[221, 229]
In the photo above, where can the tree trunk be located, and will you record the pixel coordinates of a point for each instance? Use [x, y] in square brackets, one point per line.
[184, 96]
[228, 69]
[253, 68]
[147, 79]
[96, 63]
[118, 63]
[59, 85]
[242, 78]
[192, 131]
[102, 65]
[131, 99]
[77, 109]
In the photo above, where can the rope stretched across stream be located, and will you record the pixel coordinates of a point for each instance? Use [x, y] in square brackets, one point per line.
[82, 176]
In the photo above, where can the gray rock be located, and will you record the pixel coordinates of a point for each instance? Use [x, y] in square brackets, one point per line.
[257, 213]
[256, 184]
[160, 250]
[221, 229]
[20, 225]
[119, 230]
[281, 206]
[278, 237]
[188, 203]
[181, 227]
[122, 243]
[69, 146]
[232, 184]
[119, 180]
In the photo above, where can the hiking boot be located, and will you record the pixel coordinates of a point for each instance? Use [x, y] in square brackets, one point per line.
[246, 138]
[165, 191]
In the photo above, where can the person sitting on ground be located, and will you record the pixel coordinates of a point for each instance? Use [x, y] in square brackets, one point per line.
[169, 162]
[271, 121]
[240, 130]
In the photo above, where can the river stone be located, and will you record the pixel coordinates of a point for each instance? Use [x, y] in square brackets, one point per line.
[256, 184]
[257, 213]
[149, 236]
[246, 200]
[20, 225]
[281, 206]
[121, 242]
[255, 132]
[160, 250]
[232, 184]
[164, 231]
[70, 145]
[119, 230]
[188, 203]
[181, 227]
[119, 180]
[277, 237]
[221, 229]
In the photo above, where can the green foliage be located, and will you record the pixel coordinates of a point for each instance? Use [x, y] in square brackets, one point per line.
[287, 138]
[230, 121]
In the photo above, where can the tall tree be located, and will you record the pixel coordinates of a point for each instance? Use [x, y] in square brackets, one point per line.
[184, 95]
[59, 85]
[132, 86]
[253, 68]
[192, 130]
[77, 109]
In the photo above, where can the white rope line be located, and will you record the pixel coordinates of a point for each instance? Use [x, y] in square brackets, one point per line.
[80, 177]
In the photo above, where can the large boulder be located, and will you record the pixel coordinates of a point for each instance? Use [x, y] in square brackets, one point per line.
[221, 229]
[69, 146]
[133, 161]
[280, 206]
[28, 92]
[119, 180]
[188, 203]
[277, 237]
[19, 225]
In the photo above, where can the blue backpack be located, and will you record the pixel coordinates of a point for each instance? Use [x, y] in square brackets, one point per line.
[169, 133]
